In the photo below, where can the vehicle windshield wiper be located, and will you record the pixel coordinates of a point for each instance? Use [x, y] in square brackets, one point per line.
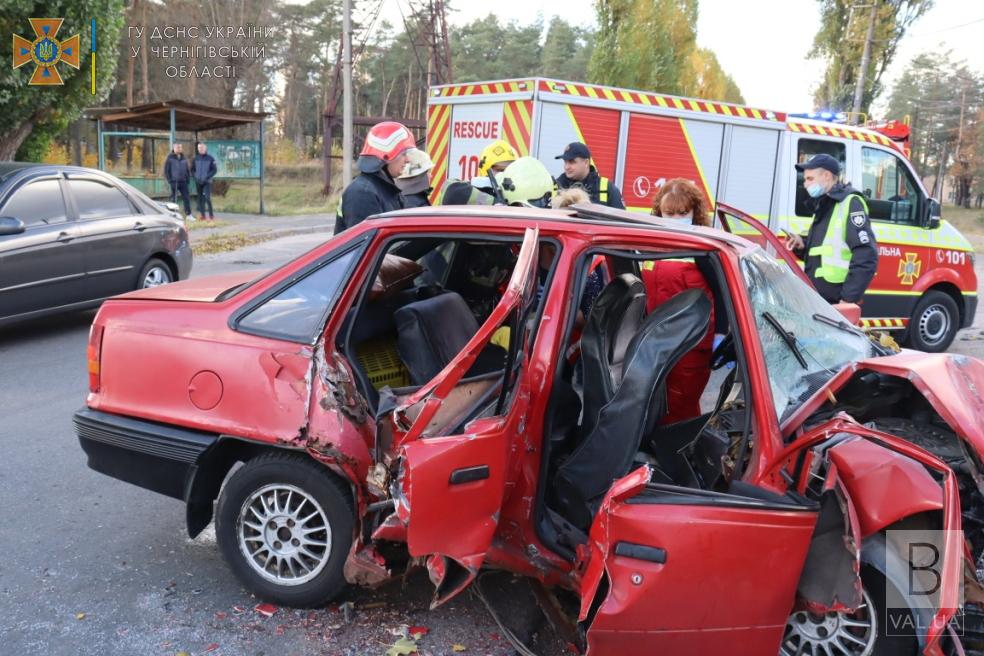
[787, 337]
[840, 325]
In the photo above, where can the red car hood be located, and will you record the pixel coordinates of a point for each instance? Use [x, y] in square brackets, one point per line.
[953, 385]
[202, 290]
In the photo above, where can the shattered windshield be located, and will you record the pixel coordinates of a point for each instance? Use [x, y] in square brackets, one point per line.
[805, 340]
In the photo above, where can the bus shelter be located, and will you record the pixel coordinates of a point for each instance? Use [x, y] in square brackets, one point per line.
[237, 159]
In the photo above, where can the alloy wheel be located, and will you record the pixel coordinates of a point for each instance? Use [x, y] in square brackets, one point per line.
[831, 634]
[156, 277]
[284, 534]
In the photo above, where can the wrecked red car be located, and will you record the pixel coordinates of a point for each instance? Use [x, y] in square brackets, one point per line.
[468, 388]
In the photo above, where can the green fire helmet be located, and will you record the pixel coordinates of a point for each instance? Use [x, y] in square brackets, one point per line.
[526, 182]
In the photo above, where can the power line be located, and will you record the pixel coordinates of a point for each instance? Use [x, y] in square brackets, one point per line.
[947, 29]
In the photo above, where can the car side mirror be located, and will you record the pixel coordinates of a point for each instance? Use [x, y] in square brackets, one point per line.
[10, 226]
[851, 312]
[170, 207]
[933, 212]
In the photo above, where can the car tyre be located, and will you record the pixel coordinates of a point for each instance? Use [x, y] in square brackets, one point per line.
[284, 525]
[154, 274]
[934, 323]
[877, 628]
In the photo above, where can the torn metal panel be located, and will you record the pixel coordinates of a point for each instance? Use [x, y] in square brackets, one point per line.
[392, 528]
[450, 576]
[338, 433]
[868, 492]
[592, 560]
[342, 394]
[831, 578]
[377, 481]
[365, 566]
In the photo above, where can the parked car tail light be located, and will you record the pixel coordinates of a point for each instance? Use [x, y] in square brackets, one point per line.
[93, 355]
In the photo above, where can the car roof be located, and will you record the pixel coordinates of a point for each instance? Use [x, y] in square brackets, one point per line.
[583, 214]
[9, 168]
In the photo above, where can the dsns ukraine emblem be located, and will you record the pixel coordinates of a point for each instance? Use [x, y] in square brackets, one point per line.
[46, 51]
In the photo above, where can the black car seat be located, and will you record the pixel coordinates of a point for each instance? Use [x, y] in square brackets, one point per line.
[614, 319]
[605, 454]
[432, 331]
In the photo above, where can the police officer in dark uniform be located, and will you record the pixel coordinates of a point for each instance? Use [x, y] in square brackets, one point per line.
[580, 172]
[383, 158]
[839, 251]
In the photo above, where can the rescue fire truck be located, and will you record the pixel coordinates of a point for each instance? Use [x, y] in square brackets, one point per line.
[925, 287]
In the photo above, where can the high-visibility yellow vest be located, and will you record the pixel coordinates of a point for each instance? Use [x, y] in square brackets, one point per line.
[835, 254]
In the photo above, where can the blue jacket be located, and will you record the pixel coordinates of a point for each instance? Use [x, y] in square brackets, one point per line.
[203, 167]
[176, 168]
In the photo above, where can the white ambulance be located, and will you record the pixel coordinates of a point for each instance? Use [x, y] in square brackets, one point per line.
[925, 286]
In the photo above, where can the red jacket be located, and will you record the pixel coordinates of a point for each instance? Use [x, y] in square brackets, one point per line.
[687, 380]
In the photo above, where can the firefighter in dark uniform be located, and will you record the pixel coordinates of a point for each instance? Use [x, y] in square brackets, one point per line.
[580, 172]
[382, 160]
[839, 251]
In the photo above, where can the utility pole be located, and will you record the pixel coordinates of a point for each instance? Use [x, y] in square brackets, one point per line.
[959, 186]
[865, 60]
[347, 93]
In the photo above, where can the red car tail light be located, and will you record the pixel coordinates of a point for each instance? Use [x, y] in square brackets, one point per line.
[93, 355]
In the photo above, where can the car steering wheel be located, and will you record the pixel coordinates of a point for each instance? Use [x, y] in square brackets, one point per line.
[724, 353]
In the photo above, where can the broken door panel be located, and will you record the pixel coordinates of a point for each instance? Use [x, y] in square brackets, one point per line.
[450, 488]
[670, 583]
[520, 294]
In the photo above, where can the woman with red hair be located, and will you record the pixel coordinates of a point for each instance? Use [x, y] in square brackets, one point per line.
[680, 201]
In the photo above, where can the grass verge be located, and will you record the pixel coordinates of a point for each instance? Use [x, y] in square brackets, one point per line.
[226, 242]
[280, 197]
[970, 222]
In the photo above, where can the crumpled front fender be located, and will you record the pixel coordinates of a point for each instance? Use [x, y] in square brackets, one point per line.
[876, 471]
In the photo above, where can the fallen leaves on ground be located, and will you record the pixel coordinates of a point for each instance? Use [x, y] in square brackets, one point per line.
[225, 242]
[402, 647]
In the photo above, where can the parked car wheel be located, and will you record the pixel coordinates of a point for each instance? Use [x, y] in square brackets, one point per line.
[284, 525]
[154, 274]
[934, 323]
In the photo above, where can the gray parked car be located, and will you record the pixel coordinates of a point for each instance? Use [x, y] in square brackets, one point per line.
[71, 237]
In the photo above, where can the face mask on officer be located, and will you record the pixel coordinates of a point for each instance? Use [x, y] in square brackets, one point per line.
[817, 182]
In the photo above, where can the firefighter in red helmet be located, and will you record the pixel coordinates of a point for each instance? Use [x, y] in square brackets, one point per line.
[381, 161]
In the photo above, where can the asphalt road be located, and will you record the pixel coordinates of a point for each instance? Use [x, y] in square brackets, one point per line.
[90, 565]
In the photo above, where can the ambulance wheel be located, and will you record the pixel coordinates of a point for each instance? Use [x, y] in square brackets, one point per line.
[934, 323]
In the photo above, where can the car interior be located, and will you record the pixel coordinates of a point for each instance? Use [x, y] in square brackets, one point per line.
[430, 294]
[606, 414]
[429, 297]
